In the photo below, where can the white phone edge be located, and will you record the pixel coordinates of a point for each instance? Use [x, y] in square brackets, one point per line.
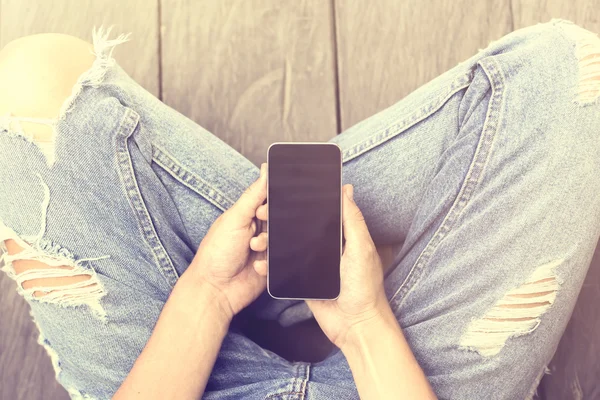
[341, 213]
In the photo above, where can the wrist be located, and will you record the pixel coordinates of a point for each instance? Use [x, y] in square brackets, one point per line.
[360, 333]
[206, 294]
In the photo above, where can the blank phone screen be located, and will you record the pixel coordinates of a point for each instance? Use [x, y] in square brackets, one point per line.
[304, 222]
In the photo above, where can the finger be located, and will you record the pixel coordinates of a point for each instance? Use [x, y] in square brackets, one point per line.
[254, 196]
[355, 227]
[260, 266]
[262, 212]
[259, 243]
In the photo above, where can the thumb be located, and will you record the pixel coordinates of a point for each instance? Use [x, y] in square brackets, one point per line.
[355, 227]
[252, 198]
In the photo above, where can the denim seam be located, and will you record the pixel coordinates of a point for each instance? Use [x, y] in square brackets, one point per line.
[389, 132]
[298, 383]
[189, 179]
[476, 169]
[129, 122]
[303, 376]
[275, 395]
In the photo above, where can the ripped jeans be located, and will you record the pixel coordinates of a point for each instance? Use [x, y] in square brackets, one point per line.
[488, 176]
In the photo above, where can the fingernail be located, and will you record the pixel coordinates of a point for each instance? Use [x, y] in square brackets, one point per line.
[350, 192]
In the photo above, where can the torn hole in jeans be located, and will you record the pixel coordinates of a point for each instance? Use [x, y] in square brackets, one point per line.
[48, 273]
[517, 313]
[587, 52]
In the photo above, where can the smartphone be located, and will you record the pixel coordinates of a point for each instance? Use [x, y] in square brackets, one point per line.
[304, 224]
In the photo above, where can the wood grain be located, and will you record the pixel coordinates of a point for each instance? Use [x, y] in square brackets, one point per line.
[582, 12]
[386, 49]
[261, 71]
[251, 72]
[139, 56]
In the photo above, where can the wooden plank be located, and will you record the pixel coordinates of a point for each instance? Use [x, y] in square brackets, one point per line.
[582, 12]
[386, 49]
[25, 368]
[251, 72]
[139, 56]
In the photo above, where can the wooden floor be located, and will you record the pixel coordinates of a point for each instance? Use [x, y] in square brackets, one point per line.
[254, 72]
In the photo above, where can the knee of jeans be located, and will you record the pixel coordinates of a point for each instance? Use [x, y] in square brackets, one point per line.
[549, 50]
[43, 75]
[39, 71]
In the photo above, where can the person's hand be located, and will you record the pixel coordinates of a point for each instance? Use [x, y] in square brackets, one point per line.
[362, 296]
[231, 257]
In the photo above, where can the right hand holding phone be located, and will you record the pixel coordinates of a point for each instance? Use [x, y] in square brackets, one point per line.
[362, 297]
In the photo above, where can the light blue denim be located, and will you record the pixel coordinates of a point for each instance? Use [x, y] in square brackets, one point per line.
[489, 177]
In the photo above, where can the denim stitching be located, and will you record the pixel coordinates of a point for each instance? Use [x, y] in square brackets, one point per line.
[303, 376]
[298, 383]
[472, 178]
[298, 380]
[275, 395]
[128, 124]
[189, 179]
[296, 386]
[389, 132]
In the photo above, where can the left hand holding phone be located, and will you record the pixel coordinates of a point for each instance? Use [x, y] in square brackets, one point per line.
[231, 257]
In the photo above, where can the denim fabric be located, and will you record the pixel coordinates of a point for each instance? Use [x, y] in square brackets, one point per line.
[487, 176]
